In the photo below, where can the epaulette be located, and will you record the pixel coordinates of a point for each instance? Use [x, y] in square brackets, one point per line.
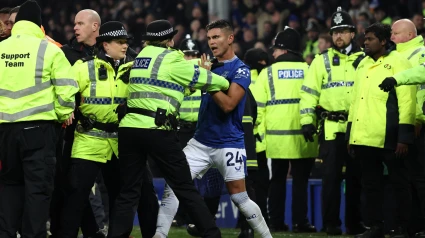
[87, 58]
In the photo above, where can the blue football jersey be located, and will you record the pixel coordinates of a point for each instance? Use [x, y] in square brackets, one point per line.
[215, 128]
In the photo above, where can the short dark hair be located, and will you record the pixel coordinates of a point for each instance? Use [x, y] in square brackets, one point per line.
[381, 31]
[5, 10]
[14, 10]
[222, 24]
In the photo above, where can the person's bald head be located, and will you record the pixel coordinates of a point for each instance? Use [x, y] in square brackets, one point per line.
[403, 31]
[86, 26]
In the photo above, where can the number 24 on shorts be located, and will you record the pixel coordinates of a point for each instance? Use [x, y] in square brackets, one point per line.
[230, 156]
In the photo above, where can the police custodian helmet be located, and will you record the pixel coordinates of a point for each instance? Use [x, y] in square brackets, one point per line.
[341, 19]
[189, 46]
[288, 39]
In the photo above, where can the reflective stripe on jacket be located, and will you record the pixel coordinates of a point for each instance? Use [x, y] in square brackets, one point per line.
[36, 81]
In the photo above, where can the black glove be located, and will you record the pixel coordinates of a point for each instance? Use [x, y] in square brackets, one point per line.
[121, 110]
[388, 84]
[308, 131]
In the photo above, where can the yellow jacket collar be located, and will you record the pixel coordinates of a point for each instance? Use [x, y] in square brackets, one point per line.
[27, 28]
[413, 43]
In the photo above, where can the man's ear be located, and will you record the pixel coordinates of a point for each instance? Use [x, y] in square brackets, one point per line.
[352, 35]
[384, 42]
[230, 39]
[95, 26]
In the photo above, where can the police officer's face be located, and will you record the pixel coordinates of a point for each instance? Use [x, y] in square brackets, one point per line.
[342, 38]
[372, 44]
[116, 48]
[219, 41]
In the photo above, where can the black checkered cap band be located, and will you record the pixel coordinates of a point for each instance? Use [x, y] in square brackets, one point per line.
[161, 33]
[115, 33]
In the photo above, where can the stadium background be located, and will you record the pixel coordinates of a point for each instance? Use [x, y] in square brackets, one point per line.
[256, 24]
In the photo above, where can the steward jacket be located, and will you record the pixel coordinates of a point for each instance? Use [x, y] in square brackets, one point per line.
[36, 80]
[377, 118]
[414, 51]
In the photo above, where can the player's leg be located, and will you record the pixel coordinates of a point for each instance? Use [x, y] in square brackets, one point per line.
[199, 161]
[231, 163]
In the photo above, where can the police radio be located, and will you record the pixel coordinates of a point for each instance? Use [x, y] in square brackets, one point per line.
[103, 74]
[335, 60]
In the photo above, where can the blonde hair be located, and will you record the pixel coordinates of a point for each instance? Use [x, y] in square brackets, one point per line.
[160, 43]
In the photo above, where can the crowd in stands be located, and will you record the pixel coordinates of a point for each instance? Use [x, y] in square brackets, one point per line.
[256, 22]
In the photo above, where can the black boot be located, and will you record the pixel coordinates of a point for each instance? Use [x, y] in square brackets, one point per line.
[356, 229]
[193, 231]
[247, 233]
[304, 228]
[399, 232]
[420, 234]
[373, 232]
[333, 230]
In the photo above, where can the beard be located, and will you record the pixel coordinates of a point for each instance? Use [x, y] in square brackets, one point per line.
[339, 44]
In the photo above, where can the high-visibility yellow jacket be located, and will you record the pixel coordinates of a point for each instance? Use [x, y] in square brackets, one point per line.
[99, 97]
[281, 83]
[414, 51]
[36, 80]
[329, 86]
[259, 128]
[377, 118]
[311, 47]
[159, 78]
[189, 109]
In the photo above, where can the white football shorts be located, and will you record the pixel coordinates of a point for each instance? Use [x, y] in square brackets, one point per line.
[229, 161]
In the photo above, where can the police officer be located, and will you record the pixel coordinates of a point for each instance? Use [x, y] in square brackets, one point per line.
[37, 91]
[188, 113]
[281, 83]
[257, 60]
[325, 96]
[190, 105]
[380, 128]
[87, 23]
[95, 146]
[411, 46]
[157, 86]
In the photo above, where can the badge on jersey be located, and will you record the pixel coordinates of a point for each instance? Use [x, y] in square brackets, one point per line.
[242, 73]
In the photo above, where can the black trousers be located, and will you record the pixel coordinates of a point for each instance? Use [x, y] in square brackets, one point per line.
[89, 225]
[334, 155]
[28, 163]
[81, 178]
[415, 165]
[163, 146]
[372, 160]
[185, 134]
[261, 183]
[300, 170]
